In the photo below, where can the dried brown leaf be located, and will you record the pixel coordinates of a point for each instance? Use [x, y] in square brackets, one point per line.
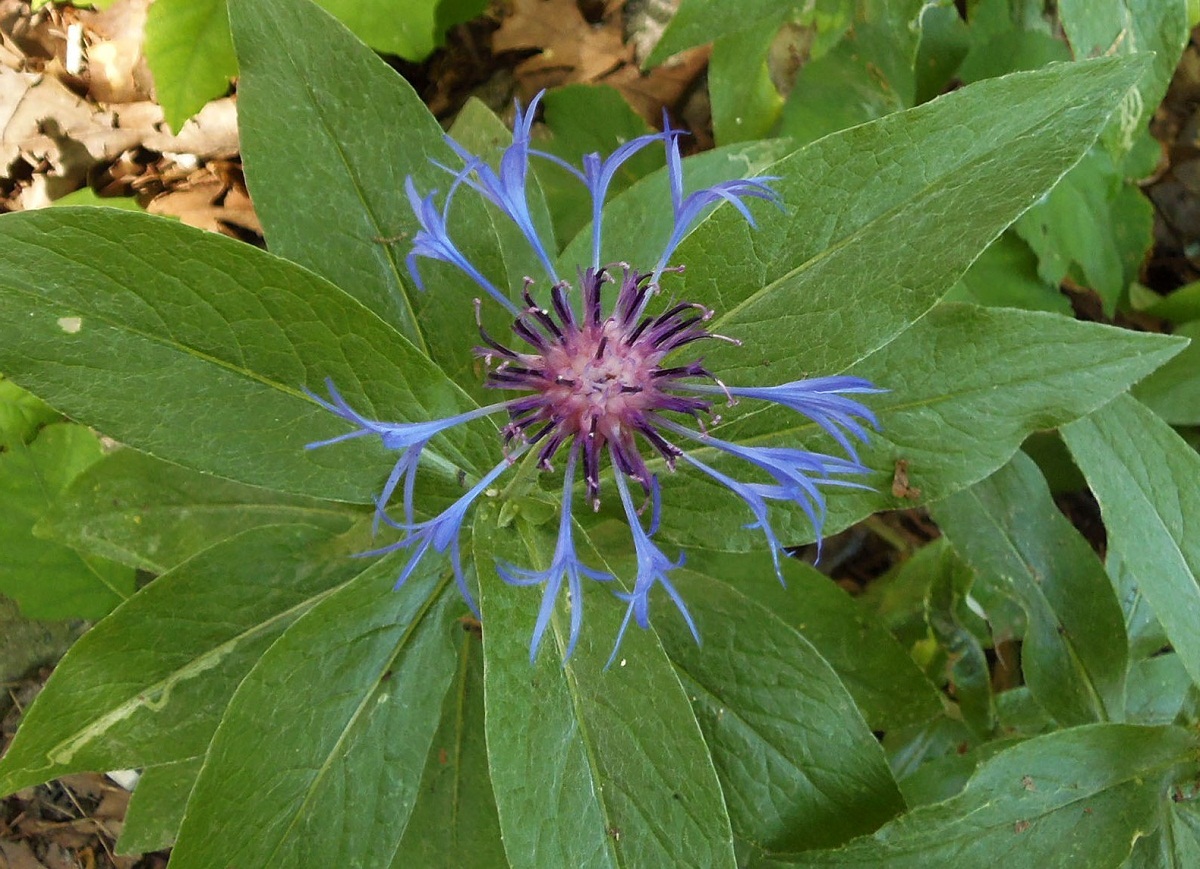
[569, 48]
[209, 202]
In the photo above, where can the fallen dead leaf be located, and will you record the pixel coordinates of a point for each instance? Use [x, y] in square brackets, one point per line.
[210, 135]
[207, 201]
[18, 855]
[568, 49]
[117, 69]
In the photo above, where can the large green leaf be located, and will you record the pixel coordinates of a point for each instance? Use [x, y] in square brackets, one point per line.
[1006, 276]
[1074, 650]
[454, 822]
[190, 53]
[591, 766]
[313, 96]
[1158, 690]
[837, 274]
[887, 686]
[798, 765]
[50, 580]
[745, 103]
[152, 514]
[157, 805]
[194, 348]
[1173, 391]
[318, 757]
[409, 28]
[149, 684]
[1078, 797]
[967, 386]
[1144, 476]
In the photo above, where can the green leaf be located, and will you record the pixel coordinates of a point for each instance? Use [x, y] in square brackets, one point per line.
[1074, 652]
[1142, 473]
[148, 684]
[49, 580]
[153, 515]
[409, 28]
[944, 42]
[1158, 26]
[1078, 797]
[1095, 225]
[21, 415]
[953, 623]
[846, 242]
[591, 766]
[967, 386]
[190, 53]
[454, 822]
[94, 324]
[333, 723]
[869, 74]
[156, 807]
[1175, 844]
[1173, 391]
[699, 21]
[745, 103]
[88, 196]
[1158, 690]
[999, 51]
[1006, 276]
[312, 95]
[887, 686]
[798, 765]
[1178, 306]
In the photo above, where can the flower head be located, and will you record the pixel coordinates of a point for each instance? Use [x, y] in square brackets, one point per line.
[590, 374]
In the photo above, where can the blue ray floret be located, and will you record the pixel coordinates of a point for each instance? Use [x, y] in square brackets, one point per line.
[565, 564]
[611, 385]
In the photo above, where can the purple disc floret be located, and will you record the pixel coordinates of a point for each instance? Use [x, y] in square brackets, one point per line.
[588, 373]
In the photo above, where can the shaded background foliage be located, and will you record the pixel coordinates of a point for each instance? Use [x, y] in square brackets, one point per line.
[1002, 665]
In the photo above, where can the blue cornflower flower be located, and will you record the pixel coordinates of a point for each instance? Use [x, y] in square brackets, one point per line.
[599, 380]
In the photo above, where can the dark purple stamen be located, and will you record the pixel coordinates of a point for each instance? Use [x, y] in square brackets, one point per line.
[599, 381]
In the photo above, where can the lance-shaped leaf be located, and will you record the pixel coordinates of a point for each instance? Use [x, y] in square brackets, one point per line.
[50, 580]
[312, 95]
[148, 684]
[1144, 476]
[887, 686]
[454, 822]
[848, 263]
[1074, 651]
[157, 804]
[967, 386]
[1077, 797]
[318, 757]
[798, 765]
[591, 766]
[152, 514]
[195, 348]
